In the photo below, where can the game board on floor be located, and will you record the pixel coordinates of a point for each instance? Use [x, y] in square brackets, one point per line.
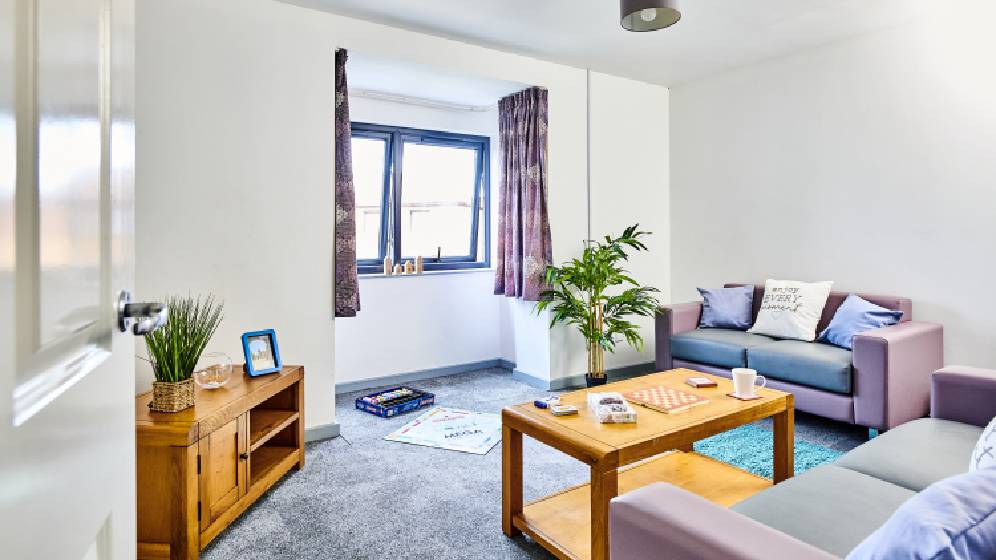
[453, 429]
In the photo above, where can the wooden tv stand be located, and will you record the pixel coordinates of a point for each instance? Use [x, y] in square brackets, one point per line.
[200, 468]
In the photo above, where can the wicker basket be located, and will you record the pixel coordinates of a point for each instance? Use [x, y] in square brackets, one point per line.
[172, 397]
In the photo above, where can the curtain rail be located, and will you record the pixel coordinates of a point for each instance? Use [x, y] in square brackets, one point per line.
[421, 102]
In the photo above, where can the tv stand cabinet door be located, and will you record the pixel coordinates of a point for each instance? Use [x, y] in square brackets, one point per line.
[223, 473]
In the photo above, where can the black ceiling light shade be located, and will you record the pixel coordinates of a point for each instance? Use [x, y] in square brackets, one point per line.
[648, 15]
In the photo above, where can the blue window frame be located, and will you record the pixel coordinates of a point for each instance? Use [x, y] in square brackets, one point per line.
[444, 216]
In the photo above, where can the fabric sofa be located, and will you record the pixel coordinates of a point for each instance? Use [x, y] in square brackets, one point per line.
[822, 513]
[883, 382]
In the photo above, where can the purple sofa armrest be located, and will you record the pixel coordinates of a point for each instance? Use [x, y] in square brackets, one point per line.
[892, 369]
[673, 319]
[664, 521]
[964, 394]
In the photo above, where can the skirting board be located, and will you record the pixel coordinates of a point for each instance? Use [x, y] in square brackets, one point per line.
[577, 381]
[572, 382]
[318, 433]
[420, 375]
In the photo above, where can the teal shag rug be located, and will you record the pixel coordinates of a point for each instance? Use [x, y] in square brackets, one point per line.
[750, 448]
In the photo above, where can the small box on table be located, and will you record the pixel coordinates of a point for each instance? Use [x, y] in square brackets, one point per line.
[611, 408]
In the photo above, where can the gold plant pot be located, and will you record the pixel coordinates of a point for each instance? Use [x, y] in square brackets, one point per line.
[596, 360]
[172, 397]
[596, 354]
[596, 366]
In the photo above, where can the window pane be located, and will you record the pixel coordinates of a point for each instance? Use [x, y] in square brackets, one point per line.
[368, 181]
[437, 200]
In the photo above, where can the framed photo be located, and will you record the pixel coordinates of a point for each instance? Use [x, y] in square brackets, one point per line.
[262, 353]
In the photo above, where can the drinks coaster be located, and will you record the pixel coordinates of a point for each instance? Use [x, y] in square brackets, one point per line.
[739, 398]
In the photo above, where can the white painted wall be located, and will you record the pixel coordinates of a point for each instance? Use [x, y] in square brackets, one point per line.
[869, 162]
[235, 170]
[630, 183]
[234, 159]
[235, 143]
[416, 116]
[415, 323]
[630, 180]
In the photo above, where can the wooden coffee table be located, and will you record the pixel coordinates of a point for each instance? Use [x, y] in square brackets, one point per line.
[573, 524]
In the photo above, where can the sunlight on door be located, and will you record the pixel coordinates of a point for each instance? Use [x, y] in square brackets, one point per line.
[100, 547]
[69, 226]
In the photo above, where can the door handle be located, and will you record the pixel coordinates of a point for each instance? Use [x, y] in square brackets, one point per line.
[143, 318]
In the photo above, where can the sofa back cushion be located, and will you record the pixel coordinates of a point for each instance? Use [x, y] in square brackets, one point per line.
[727, 308]
[984, 454]
[791, 309]
[854, 316]
[895, 303]
[952, 519]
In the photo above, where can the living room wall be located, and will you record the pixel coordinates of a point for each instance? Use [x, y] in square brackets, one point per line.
[418, 323]
[867, 162]
[438, 321]
[234, 159]
[630, 184]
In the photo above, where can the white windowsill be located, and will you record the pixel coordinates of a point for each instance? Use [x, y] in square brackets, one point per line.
[428, 273]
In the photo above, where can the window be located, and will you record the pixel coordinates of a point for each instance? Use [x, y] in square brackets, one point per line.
[421, 193]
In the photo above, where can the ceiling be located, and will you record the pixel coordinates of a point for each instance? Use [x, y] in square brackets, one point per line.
[713, 35]
[424, 82]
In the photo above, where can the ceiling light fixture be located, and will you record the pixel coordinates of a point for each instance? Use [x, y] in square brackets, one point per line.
[648, 15]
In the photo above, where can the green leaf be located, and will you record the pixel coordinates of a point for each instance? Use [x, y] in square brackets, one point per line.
[175, 347]
[578, 288]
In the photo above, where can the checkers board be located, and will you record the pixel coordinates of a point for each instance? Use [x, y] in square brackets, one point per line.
[665, 399]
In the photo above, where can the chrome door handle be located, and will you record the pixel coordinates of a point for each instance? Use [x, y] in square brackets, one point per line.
[143, 318]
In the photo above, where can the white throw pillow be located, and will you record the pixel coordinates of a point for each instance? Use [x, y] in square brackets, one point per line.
[791, 309]
[984, 454]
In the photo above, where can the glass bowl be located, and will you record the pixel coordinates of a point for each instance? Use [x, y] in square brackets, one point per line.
[213, 370]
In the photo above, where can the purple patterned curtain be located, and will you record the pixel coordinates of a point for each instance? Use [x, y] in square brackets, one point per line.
[524, 249]
[347, 289]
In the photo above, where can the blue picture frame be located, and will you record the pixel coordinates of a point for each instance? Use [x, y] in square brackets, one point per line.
[253, 367]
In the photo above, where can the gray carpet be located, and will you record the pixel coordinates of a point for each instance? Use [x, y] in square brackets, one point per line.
[361, 497]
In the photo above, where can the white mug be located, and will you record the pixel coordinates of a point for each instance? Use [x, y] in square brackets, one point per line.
[744, 380]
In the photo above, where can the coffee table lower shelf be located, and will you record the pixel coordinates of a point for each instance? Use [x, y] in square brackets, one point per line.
[561, 522]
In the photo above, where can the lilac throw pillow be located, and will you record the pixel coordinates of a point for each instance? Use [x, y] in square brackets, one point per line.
[857, 315]
[727, 308]
[953, 519]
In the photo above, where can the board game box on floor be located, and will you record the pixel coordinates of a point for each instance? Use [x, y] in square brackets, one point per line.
[394, 401]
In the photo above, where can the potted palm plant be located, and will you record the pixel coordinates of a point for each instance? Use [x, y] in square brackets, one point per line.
[175, 348]
[596, 295]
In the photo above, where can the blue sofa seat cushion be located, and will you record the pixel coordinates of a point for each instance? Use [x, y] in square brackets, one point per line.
[815, 365]
[716, 347]
[916, 454]
[829, 507]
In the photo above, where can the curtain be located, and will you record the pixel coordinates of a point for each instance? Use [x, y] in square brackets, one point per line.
[524, 248]
[347, 289]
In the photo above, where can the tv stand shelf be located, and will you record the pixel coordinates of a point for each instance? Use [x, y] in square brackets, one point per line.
[200, 468]
[266, 459]
[264, 424]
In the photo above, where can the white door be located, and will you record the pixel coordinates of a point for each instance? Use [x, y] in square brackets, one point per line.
[67, 456]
